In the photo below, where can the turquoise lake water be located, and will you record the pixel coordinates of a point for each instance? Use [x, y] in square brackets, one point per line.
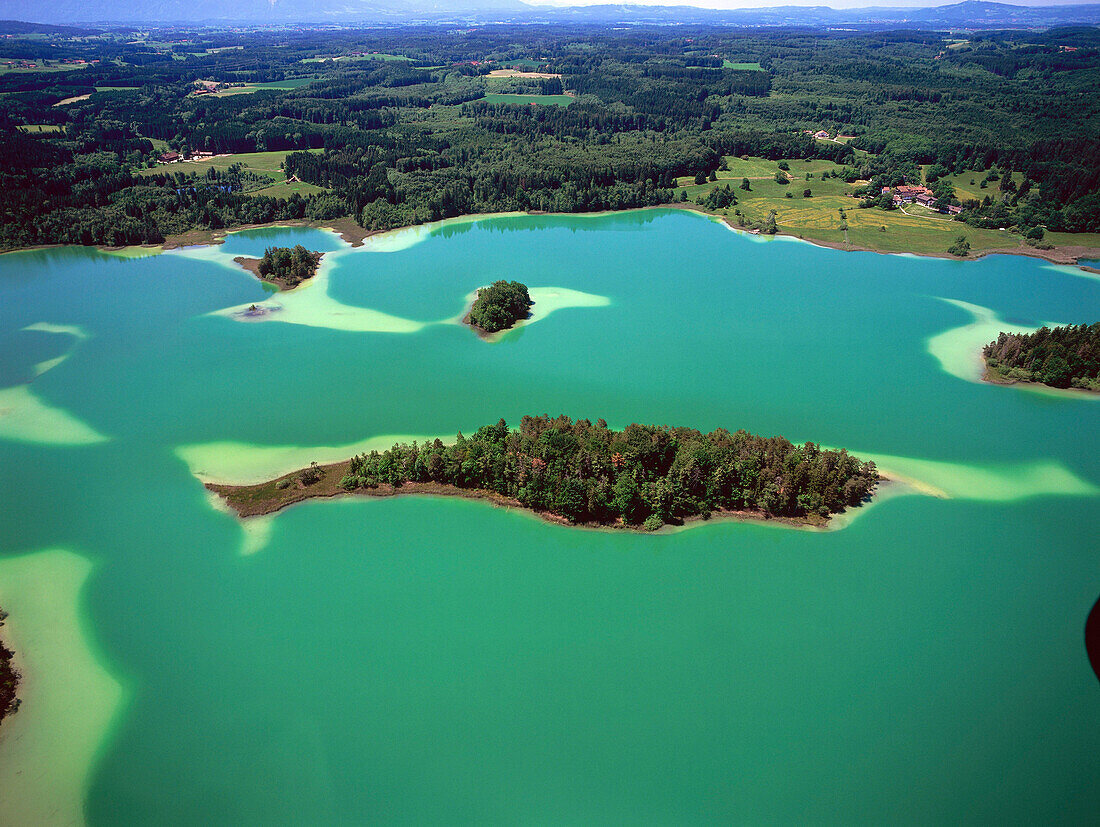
[424, 660]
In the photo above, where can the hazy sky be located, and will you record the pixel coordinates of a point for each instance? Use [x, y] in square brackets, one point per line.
[836, 4]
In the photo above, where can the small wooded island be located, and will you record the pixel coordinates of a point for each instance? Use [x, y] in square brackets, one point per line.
[9, 678]
[499, 306]
[582, 473]
[285, 267]
[1061, 357]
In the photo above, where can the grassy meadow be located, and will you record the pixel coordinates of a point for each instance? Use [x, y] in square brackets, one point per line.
[545, 100]
[268, 164]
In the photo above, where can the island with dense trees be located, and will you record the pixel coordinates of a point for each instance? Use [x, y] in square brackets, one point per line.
[9, 678]
[499, 306]
[581, 473]
[285, 267]
[1061, 357]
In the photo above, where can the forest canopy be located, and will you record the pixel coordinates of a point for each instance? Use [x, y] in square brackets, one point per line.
[643, 474]
[124, 149]
[1062, 357]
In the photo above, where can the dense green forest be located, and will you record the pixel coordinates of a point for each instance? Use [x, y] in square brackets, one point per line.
[500, 305]
[642, 475]
[288, 266]
[1062, 357]
[9, 678]
[431, 135]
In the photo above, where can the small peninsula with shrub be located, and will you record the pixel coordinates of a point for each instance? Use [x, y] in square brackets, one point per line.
[285, 267]
[577, 472]
[1061, 357]
[9, 678]
[499, 306]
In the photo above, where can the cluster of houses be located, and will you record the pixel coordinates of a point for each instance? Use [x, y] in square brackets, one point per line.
[175, 157]
[918, 195]
[823, 135]
[205, 87]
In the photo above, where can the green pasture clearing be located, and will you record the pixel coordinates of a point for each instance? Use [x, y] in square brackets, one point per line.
[524, 63]
[291, 83]
[235, 90]
[964, 190]
[743, 66]
[921, 211]
[268, 164]
[158, 144]
[758, 169]
[39, 128]
[285, 189]
[251, 88]
[1073, 239]
[547, 100]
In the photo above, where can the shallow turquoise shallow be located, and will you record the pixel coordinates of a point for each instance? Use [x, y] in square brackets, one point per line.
[442, 661]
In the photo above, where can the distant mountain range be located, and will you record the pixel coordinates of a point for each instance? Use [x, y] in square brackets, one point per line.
[972, 14]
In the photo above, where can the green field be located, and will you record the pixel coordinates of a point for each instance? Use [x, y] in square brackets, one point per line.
[523, 63]
[964, 190]
[546, 100]
[291, 83]
[235, 90]
[38, 128]
[114, 89]
[268, 164]
[760, 169]
[729, 64]
[248, 89]
[285, 189]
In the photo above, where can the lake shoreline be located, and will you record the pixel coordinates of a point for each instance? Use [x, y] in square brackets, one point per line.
[11, 677]
[262, 499]
[356, 236]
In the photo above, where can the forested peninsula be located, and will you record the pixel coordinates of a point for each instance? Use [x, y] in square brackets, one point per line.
[1061, 357]
[580, 473]
[9, 678]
